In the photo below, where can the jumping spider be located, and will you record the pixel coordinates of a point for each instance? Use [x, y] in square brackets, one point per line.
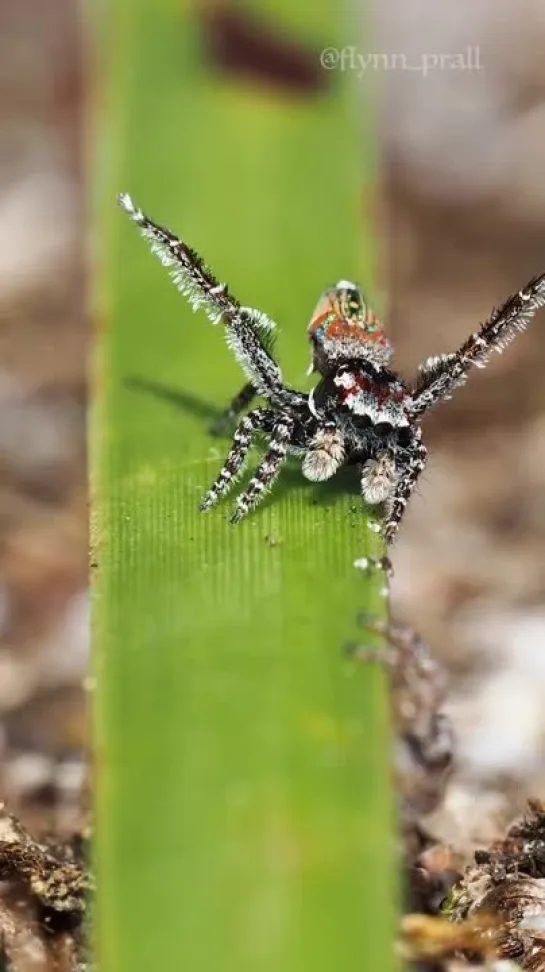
[359, 412]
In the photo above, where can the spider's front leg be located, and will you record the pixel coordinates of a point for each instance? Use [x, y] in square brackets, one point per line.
[269, 467]
[260, 420]
[410, 463]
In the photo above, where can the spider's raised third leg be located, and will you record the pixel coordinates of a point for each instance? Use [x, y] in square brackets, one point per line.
[440, 375]
[268, 469]
[260, 420]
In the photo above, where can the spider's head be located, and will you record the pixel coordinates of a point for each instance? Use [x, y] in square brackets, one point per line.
[343, 327]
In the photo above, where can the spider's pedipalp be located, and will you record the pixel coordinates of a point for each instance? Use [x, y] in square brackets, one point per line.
[439, 376]
[261, 419]
[378, 478]
[268, 469]
[325, 455]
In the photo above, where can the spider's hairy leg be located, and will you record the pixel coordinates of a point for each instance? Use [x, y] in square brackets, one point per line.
[233, 410]
[268, 469]
[408, 472]
[250, 336]
[189, 272]
[432, 368]
[250, 333]
[438, 377]
[261, 419]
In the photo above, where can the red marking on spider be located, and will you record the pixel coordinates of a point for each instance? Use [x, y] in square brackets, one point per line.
[340, 329]
[381, 393]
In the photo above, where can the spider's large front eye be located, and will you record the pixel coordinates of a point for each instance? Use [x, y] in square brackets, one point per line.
[352, 306]
[357, 308]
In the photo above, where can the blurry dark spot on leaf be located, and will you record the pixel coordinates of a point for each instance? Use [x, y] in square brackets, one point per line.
[243, 45]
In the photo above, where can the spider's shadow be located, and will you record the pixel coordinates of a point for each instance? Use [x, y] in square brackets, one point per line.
[323, 494]
[320, 494]
[184, 401]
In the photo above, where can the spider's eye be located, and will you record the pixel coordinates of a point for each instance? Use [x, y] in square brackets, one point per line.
[351, 303]
[355, 305]
[354, 300]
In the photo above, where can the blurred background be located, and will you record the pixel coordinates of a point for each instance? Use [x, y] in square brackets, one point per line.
[44, 338]
[462, 221]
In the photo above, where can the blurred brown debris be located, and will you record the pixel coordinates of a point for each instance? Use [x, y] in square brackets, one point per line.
[44, 900]
[463, 152]
[507, 881]
[43, 348]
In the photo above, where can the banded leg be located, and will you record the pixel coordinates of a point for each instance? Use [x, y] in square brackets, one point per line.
[408, 473]
[233, 410]
[268, 469]
[261, 419]
[439, 376]
[250, 333]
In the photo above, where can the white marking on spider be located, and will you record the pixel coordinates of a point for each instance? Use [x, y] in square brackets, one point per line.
[344, 380]
[311, 404]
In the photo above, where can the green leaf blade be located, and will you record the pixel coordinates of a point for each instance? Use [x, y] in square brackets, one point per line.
[243, 808]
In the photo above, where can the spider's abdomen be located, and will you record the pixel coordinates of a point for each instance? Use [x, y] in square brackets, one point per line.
[376, 395]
